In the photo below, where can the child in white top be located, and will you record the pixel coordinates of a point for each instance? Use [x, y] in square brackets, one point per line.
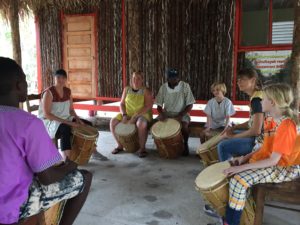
[218, 109]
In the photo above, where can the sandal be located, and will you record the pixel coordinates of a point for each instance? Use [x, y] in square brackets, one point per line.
[117, 150]
[142, 153]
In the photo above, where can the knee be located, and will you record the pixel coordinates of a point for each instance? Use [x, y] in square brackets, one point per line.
[113, 123]
[185, 127]
[88, 176]
[141, 125]
[65, 129]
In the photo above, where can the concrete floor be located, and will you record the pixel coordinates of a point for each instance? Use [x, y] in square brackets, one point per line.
[127, 190]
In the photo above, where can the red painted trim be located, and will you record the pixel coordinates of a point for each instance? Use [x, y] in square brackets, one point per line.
[201, 101]
[101, 99]
[236, 41]
[123, 45]
[269, 46]
[240, 102]
[107, 108]
[270, 22]
[38, 55]
[266, 48]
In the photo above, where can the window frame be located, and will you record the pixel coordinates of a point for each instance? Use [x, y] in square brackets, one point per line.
[239, 48]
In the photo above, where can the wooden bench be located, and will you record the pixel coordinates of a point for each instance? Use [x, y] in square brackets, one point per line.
[286, 192]
[31, 108]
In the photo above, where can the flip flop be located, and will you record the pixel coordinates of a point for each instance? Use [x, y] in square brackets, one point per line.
[117, 150]
[142, 154]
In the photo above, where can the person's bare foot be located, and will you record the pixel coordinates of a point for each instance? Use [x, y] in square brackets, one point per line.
[142, 153]
[117, 150]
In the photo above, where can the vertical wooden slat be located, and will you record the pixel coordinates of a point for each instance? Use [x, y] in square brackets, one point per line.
[13, 15]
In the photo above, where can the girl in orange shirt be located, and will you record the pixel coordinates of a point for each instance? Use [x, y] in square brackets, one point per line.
[276, 161]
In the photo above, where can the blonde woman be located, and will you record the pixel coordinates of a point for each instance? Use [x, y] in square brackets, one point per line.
[135, 107]
[278, 159]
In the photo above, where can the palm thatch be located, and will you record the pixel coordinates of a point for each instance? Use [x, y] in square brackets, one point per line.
[26, 6]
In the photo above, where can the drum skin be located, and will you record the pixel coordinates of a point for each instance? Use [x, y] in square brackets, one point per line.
[127, 135]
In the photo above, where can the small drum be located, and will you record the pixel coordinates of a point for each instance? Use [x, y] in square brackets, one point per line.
[168, 138]
[52, 216]
[128, 136]
[214, 187]
[208, 150]
[212, 133]
[83, 143]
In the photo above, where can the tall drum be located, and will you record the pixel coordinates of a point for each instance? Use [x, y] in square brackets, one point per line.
[83, 143]
[168, 138]
[214, 187]
[128, 136]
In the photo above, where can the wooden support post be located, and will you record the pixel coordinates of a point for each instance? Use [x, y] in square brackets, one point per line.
[295, 58]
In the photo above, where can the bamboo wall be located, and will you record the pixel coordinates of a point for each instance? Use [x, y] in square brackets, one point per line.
[193, 36]
[196, 37]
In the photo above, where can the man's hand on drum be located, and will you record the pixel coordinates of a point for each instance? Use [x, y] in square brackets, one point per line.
[207, 131]
[73, 124]
[71, 163]
[79, 121]
[179, 117]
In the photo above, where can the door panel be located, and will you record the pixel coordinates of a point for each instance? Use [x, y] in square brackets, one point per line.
[79, 54]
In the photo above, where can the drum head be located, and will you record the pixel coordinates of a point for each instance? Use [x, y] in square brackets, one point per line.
[210, 143]
[165, 129]
[212, 175]
[86, 131]
[125, 129]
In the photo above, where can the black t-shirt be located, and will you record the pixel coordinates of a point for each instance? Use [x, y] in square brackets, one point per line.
[255, 105]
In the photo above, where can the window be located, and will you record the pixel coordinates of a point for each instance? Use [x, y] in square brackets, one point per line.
[255, 22]
[256, 28]
[265, 31]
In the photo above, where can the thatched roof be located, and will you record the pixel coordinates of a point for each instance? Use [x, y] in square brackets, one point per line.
[25, 6]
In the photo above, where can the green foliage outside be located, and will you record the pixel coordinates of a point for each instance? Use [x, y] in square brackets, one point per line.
[28, 48]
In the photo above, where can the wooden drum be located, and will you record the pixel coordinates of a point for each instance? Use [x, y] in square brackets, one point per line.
[168, 138]
[208, 150]
[83, 143]
[214, 187]
[128, 136]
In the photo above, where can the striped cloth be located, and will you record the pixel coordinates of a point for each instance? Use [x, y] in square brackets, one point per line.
[240, 183]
